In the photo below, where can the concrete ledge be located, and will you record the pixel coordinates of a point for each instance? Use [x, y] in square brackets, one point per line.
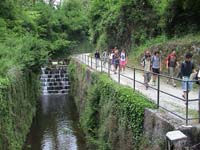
[158, 123]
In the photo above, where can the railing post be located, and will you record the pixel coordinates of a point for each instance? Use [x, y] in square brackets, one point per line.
[134, 79]
[91, 61]
[199, 103]
[187, 102]
[118, 74]
[88, 60]
[109, 66]
[101, 64]
[96, 62]
[158, 91]
[85, 60]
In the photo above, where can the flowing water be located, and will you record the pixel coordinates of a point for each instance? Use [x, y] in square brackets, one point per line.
[55, 126]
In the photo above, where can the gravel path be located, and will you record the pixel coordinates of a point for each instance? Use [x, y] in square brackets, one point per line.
[170, 97]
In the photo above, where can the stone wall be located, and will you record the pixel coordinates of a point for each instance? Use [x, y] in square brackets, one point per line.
[158, 123]
[18, 96]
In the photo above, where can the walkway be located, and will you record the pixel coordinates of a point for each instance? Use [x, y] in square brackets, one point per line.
[168, 98]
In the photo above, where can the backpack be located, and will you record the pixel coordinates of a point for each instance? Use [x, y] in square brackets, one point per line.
[172, 60]
[184, 66]
[152, 59]
[142, 61]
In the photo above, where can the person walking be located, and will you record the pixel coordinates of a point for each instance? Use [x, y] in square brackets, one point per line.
[111, 59]
[116, 59]
[105, 56]
[187, 68]
[97, 57]
[123, 60]
[156, 66]
[171, 65]
[146, 64]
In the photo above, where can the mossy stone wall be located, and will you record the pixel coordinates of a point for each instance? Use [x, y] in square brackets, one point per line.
[111, 115]
[18, 96]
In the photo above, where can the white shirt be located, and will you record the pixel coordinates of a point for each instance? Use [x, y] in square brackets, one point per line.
[123, 57]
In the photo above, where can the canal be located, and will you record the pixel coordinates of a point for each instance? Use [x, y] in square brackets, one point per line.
[55, 126]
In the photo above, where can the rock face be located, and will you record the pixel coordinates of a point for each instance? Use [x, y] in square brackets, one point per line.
[157, 124]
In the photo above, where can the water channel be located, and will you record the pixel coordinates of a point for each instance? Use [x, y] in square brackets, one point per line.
[55, 126]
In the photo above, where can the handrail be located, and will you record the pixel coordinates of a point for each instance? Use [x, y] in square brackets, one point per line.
[105, 66]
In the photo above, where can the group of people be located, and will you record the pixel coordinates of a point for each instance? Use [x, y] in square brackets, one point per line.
[117, 59]
[152, 66]
[186, 69]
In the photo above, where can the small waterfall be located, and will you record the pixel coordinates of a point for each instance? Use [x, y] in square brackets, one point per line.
[54, 80]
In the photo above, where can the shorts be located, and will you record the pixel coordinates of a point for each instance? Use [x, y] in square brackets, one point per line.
[156, 70]
[171, 71]
[185, 83]
[122, 63]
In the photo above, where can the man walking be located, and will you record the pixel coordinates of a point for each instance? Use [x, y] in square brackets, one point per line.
[187, 68]
[156, 66]
[171, 64]
[97, 57]
[146, 64]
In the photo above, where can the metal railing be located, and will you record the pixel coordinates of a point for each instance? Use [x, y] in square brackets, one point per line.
[105, 66]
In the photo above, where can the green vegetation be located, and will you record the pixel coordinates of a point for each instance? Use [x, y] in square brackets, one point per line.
[32, 33]
[111, 115]
[17, 106]
[133, 23]
[165, 46]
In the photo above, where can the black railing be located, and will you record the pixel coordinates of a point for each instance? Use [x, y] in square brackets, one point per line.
[105, 66]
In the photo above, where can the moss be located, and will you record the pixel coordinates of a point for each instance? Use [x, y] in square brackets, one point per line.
[18, 97]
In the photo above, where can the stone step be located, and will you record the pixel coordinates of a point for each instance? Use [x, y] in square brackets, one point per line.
[53, 79]
[55, 87]
[55, 91]
[55, 83]
[54, 75]
[54, 71]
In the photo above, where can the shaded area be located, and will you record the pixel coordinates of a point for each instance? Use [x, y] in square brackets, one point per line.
[55, 125]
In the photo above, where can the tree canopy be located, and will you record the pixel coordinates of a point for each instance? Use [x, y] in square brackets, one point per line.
[33, 31]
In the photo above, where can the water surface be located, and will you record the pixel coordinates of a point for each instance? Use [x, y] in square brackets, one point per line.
[55, 126]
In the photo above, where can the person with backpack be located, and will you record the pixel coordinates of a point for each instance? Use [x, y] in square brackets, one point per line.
[156, 66]
[187, 68]
[123, 60]
[111, 59]
[105, 56]
[116, 59]
[146, 64]
[171, 65]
